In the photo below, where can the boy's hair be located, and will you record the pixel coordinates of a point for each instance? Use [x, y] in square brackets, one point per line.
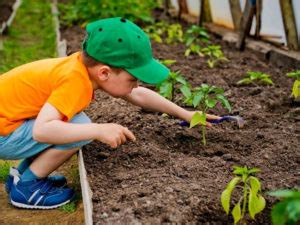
[89, 61]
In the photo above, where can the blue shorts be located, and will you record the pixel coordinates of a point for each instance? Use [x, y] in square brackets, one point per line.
[20, 144]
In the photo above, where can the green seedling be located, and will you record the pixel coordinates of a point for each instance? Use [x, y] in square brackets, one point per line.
[173, 32]
[256, 78]
[296, 86]
[251, 194]
[168, 86]
[195, 34]
[193, 49]
[168, 62]
[203, 98]
[156, 31]
[287, 211]
[215, 54]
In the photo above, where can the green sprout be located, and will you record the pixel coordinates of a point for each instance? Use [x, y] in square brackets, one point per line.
[173, 32]
[195, 34]
[286, 211]
[193, 49]
[215, 54]
[203, 98]
[251, 197]
[168, 86]
[256, 78]
[296, 85]
[168, 62]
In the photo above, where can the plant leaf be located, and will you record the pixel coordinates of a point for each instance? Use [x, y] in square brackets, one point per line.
[285, 193]
[256, 203]
[224, 101]
[278, 213]
[197, 98]
[296, 89]
[293, 209]
[186, 91]
[226, 194]
[254, 184]
[210, 102]
[198, 118]
[236, 212]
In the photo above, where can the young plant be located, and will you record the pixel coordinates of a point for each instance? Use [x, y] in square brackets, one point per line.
[296, 85]
[203, 98]
[215, 54]
[156, 31]
[168, 62]
[256, 78]
[251, 194]
[168, 86]
[174, 34]
[286, 211]
[193, 49]
[195, 34]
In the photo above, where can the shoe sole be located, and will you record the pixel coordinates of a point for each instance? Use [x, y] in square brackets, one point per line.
[21, 205]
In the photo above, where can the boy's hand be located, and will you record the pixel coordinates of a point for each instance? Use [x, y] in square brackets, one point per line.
[114, 134]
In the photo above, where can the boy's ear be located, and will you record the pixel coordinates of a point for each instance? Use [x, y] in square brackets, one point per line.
[103, 72]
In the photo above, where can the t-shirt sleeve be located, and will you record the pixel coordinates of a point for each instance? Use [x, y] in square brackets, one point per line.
[69, 96]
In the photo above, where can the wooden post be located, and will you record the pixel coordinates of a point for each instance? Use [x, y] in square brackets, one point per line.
[205, 13]
[289, 24]
[246, 23]
[236, 13]
[258, 12]
[166, 7]
[183, 8]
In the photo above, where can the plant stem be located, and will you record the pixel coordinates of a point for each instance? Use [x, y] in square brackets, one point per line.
[203, 135]
[245, 199]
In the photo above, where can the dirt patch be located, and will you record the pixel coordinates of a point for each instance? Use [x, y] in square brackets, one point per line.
[167, 176]
[5, 10]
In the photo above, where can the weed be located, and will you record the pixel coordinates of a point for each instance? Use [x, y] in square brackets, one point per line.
[251, 197]
[4, 170]
[256, 78]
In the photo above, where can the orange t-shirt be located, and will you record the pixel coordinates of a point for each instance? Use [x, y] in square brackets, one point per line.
[62, 82]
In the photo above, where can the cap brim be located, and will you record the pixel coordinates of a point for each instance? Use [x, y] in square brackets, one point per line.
[151, 73]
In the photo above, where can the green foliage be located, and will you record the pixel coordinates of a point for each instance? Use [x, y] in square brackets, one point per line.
[168, 86]
[296, 86]
[193, 49]
[31, 36]
[167, 62]
[287, 211]
[256, 78]
[173, 33]
[215, 54]
[68, 208]
[251, 194]
[195, 34]
[80, 12]
[203, 98]
[4, 170]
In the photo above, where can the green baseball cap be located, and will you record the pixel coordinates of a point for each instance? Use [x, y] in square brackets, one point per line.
[120, 43]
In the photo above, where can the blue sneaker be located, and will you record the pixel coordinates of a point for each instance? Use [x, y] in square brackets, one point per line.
[39, 194]
[58, 180]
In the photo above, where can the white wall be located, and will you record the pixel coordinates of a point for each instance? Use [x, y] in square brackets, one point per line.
[272, 23]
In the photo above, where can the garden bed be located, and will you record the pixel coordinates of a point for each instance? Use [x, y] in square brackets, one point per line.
[167, 175]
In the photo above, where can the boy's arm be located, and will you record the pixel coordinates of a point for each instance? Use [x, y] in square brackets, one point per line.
[151, 100]
[49, 128]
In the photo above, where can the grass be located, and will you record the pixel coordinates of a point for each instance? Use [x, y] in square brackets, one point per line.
[4, 170]
[31, 36]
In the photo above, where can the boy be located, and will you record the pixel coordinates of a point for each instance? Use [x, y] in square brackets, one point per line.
[41, 118]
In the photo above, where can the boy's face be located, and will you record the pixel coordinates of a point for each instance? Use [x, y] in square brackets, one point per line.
[116, 83]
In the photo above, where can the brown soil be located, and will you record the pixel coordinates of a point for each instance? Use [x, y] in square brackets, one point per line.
[167, 175]
[5, 10]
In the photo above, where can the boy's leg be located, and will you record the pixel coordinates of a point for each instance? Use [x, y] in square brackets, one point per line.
[48, 161]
